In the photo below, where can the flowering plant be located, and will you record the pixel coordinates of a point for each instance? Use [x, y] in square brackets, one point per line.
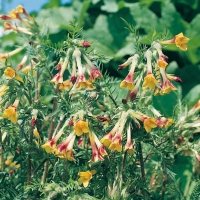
[60, 115]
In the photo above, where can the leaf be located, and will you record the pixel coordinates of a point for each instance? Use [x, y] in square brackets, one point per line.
[110, 6]
[144, 18]
[172, 19]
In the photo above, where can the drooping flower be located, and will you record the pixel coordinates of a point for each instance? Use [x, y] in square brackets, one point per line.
[65, 149]
[66, 85]
[36, 133]
[126, 64]
[81, 82]
[128, 81]
[96, 155]
[10, 113]
[21, 64]
[106, 140]
[21, 10]
[85, 177]
[11, 73]
[81, 127]
[50, 145]
[149, 82]
[129, 145]
[133, 93]
[116, 143]
[180, 40]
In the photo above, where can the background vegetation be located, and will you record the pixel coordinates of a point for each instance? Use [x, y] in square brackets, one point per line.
[104, 28]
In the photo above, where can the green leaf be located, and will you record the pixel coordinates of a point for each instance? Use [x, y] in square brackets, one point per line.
[110, 6]
[172, 19]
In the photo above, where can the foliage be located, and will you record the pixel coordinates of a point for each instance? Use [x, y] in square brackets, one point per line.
[69, 130]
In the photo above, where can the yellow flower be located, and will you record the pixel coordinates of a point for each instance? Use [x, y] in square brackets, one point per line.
[180, 41]
[66, 85]
[149, 123]
[3, 89]
[149, 82]
[10, 73]
[10, 113]
[127, 82]
[36, 133]
[83, 83]
[81, 127]
[162, 62]
[50, 145]
[85, 177]
[116, 143]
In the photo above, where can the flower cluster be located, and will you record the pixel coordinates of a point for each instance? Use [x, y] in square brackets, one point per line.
[156, 78]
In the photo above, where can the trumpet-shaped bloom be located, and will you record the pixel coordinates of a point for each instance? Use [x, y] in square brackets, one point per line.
[81, 82]
[96, 155]
[116, 143]
[95, 74]
[106, 140]
[128, 82]
[85, 177]
[100, 146]
[161, 62]
[10, 113]
[149, 82]
[66, 85]
[129, 145]
[180, 40]
[149, 123]
[81, 127]
[65, 149]
[11, 73]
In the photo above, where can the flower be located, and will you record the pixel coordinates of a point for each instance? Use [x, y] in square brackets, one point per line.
[10, 112]
[3, 89]
[149, 82]
[149, 123]
[96, 155]
[129, 145]
[36, 133]
[64, 150]
[11, 73]
[50, 145]
[106, 140]
[128, 82]
[21, 10]
[161, 62]
[81, 127]
[85, 177]
[180, 40]
[81, 82]
[66, 85]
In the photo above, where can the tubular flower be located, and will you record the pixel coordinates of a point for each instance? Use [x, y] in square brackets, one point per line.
[96, 156]
[10, 73]
[85, 177]
[116, 143]
[4, 56]
[81, 82]
[106, 140]
[174, 78]
[10, 112]
[167, 86]
[180, 40]
[6, 17]
[100, 146]
[129, 145]
[64, 150]
[50, 145]
[3, 89]
[149, 122]
[133, 93]
[93, 71]
[81, 127]
[126, 64]
[66, 85]
[128, 81]
[149, 82]
[36, 133]
[161, 62]
[28, 69]
[16, 28]
[21, 10]
[21, 64]
[14, 14]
